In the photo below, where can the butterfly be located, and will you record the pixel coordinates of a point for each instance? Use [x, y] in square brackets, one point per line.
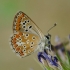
[27, 36]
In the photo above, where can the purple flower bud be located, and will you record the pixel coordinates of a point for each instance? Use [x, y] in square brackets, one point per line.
[47, 57]
[40, 56]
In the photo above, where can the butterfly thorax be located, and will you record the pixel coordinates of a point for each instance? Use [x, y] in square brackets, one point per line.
[45, 43]
[47, 40]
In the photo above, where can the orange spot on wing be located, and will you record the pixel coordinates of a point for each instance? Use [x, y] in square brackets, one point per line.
[17, 25]
[17, 49]
[19, 19]
[21, 53]
[17, 28]
[13, 40]
[14, 46]
[17, 36]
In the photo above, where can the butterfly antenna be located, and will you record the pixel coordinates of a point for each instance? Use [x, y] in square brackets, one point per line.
[52, 27]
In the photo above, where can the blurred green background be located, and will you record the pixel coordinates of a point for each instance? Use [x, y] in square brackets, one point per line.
[44, 13]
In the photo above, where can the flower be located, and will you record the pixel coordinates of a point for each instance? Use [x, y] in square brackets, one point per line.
[51, 59]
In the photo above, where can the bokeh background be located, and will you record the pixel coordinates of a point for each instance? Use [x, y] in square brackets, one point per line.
[44, 13]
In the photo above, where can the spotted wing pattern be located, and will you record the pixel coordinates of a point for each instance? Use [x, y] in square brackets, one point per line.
[26, 35]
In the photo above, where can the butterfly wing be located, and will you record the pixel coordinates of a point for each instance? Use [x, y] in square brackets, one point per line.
[23, 23]
[26, 35]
